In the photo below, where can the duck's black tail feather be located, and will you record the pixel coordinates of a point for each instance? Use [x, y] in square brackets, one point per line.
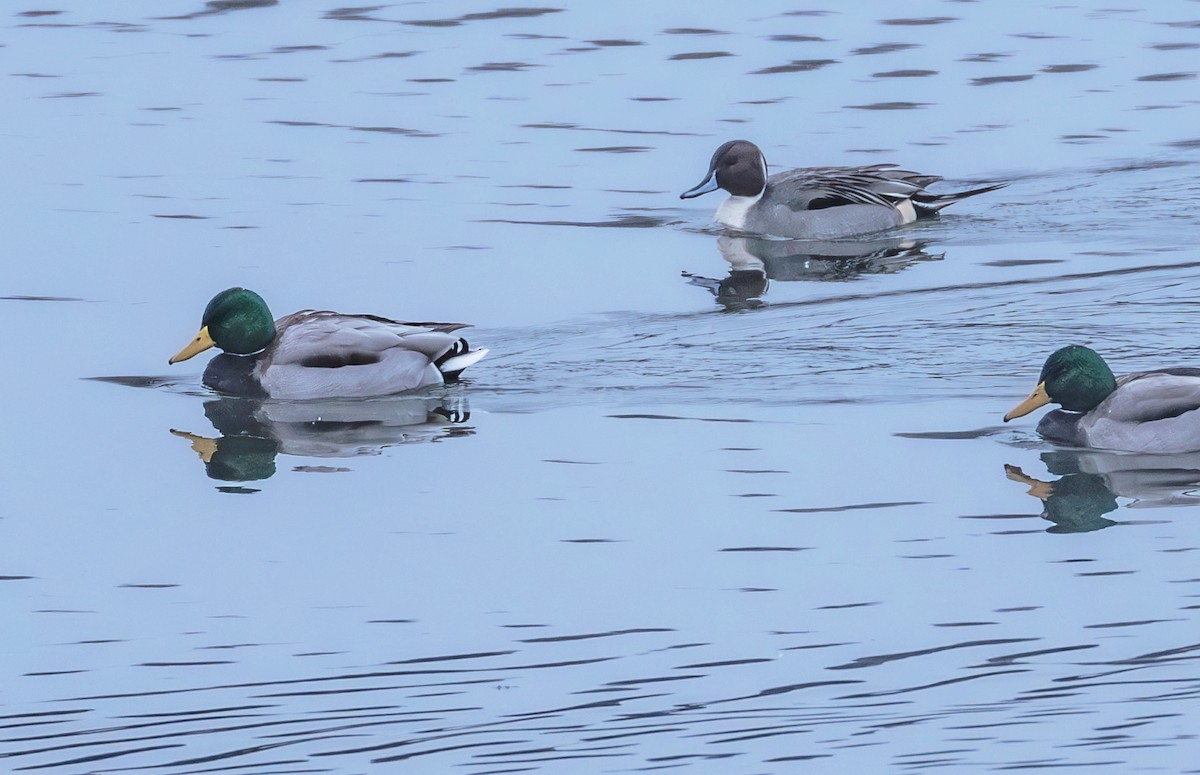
[928, 203]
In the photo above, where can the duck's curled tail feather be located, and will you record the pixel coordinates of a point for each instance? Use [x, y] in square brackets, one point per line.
[457, 358]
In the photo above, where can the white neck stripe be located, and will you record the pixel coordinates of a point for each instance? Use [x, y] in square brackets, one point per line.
[733, 211]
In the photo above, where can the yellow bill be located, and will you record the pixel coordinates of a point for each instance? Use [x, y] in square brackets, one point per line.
[1037, 488]
[1038, 398]
[198, 345]
[201, 445]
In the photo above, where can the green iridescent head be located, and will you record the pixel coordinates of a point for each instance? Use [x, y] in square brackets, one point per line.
[236, 320]
[1075, 377]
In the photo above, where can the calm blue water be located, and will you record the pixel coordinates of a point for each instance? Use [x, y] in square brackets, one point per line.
[710, 505]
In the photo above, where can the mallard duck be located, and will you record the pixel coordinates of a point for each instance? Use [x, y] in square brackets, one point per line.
[818, 202]
[1149, 411]
[1076, 503]
[320, 354]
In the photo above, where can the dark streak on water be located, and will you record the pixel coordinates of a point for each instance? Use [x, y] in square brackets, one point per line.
[617, 149]
[852, 507]
[391, 130]
[884, 48]
[796, 66]
[890, 106]
[621, 222]
[135, 381]
[975, 434]
[673, 417]
[40, 298]
[1168, 77]
[699, 55]
[921, 22]
[503, 13]
[693, 31]
[1068, 68]
[994, 79]
[905, 74]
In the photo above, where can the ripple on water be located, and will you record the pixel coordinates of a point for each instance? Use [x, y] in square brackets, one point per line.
[919, 22]
[502, 13]
[699, 55]
[796, 66]
[797, 39]
[890, 106]
[1157, 77]
[1068, 68]
[1173, 46]
[884, 48]
[426, 711]
[995, 79]
[905, 74]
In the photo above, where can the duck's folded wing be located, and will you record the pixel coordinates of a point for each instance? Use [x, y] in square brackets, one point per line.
[330, 340]
[817, 188]
[1153, 395]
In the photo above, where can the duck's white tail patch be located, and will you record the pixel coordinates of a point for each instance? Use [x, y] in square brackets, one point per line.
[457, 363]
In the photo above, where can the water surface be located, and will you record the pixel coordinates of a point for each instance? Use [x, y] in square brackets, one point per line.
[713, 504]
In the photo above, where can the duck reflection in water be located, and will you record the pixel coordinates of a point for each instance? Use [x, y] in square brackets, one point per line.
[251, 432]
[753, 262]
[1091, 481]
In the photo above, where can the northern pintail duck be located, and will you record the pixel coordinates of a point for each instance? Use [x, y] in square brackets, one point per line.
[817, 202]
[319, 354]
[1149, 411]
